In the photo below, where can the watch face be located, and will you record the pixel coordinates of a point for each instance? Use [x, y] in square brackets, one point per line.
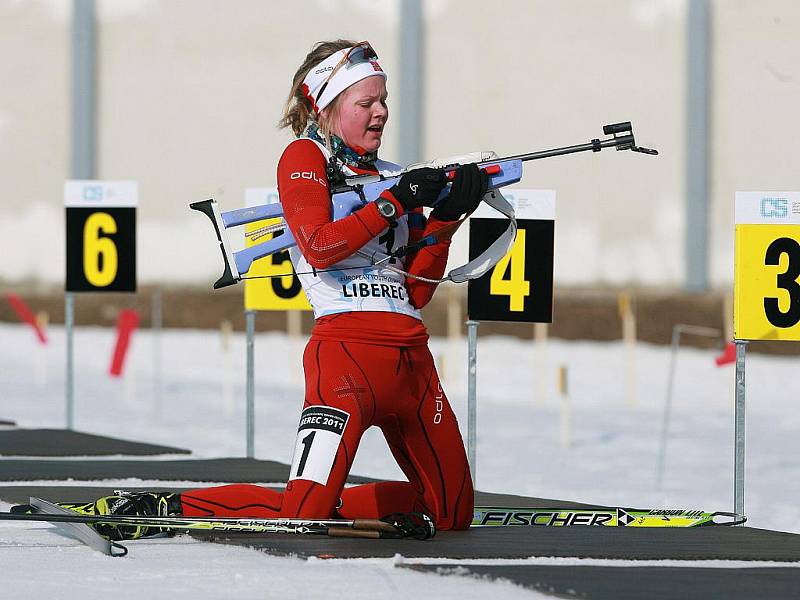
[387, 208]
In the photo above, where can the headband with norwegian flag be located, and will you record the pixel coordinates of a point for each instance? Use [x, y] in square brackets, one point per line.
[338, 72]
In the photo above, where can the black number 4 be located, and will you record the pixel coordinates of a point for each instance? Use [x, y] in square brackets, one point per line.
[786, 280]
[306, 449]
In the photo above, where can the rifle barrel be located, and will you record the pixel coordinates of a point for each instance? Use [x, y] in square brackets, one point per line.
[621, 142]
[607, 143]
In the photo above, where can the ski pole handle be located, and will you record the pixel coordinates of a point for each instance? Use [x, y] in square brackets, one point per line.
[344, 532]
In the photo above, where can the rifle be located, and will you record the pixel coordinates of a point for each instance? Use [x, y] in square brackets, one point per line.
[354, 192]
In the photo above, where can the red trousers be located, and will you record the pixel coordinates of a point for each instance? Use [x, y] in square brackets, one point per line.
[350, 387]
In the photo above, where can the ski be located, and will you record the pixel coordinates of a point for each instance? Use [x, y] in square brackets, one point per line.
[413, 525]
[79, 531]
[504, 516]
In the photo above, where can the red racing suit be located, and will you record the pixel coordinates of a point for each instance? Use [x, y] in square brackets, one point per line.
[362, 368]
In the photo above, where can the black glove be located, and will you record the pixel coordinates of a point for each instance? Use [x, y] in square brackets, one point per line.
[420, 187]
[469, 186]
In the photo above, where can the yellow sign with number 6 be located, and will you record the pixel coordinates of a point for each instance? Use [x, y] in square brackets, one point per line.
[101, 235]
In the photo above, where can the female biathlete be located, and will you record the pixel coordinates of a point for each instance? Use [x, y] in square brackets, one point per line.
[367, 362]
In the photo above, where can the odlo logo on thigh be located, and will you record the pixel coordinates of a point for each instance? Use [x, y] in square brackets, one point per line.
[437, 418]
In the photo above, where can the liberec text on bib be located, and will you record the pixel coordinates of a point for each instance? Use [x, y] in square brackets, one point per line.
[373, 290]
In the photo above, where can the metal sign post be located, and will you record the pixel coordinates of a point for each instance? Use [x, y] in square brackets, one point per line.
[262, 291]
[472, 394]
[250, 318]
[69, 325]
[739, 430]
[766, 294]
[519, 287]
[83, 140]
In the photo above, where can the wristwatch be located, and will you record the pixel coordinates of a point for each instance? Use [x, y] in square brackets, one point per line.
[387, 209]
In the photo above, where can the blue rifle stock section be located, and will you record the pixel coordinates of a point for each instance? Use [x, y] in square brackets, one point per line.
[344, 203]
[241, 216]
[244, 258]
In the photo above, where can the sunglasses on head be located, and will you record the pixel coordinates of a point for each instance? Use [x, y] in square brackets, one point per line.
[360, 53]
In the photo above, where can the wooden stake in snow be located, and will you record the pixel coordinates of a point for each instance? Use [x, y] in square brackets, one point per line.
[566, 409]
[628, 317]
[294, 327]
[226, 332]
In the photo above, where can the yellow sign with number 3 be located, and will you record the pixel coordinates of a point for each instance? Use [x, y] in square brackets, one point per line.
[767, 266]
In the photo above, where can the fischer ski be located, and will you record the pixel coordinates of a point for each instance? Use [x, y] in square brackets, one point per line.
[504, 516]
[395, 526]
[79, 531]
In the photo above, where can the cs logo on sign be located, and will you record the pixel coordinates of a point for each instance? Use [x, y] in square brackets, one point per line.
[93, 193]
[774, 208]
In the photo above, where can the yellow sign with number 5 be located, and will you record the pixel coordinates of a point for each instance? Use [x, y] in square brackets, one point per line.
[271, 283]
[767, 266]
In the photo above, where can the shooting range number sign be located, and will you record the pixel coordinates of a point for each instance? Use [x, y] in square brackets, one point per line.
[767, 266]
[268, 291]
[101, 235]
[520, 286]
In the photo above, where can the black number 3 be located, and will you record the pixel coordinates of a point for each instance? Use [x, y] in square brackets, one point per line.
[786, 280]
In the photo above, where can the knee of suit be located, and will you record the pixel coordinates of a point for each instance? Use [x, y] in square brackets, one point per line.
[461, 522]
[458, 520]
[306, 499]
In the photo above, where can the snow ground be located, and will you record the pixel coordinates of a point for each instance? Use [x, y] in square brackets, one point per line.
[611, 458]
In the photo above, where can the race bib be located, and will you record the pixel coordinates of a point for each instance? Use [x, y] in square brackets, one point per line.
[318, 436]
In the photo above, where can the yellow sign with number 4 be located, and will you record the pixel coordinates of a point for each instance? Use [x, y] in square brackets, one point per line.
[767, 266]
[520, 286]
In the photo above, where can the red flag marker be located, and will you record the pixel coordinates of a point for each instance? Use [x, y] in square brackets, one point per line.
[26, 315]
[728, 355]
[127, 322]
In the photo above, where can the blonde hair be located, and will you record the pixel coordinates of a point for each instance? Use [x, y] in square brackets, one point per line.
[298, 110]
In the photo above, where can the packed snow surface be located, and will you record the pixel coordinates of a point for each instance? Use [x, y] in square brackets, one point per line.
[597, 443]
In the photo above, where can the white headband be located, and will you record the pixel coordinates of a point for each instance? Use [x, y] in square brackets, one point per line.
[346, 75]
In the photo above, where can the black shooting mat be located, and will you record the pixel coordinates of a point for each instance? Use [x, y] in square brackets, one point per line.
[701, 543]
[230, 470]
[62, 442]
[592, 582]
[636, 583]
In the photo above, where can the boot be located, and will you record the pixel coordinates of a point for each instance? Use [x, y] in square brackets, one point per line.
[122, 503]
